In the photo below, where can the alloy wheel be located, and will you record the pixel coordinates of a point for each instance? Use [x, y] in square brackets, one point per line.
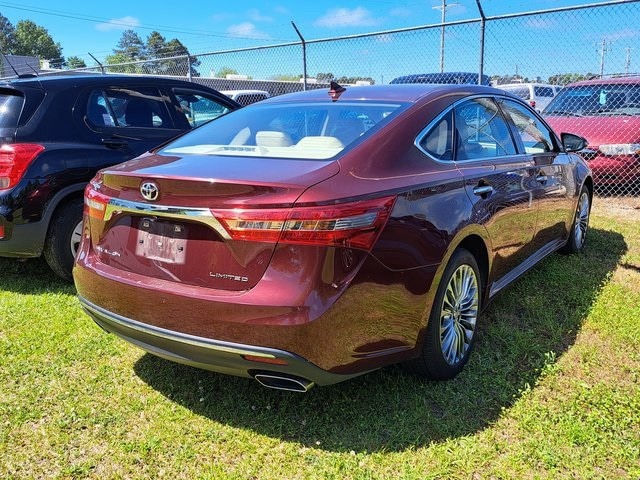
[459, 314]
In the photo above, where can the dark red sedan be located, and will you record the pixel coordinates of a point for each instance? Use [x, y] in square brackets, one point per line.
[320, 235]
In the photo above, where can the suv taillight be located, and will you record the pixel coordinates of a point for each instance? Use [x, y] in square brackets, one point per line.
[14, 160]
[353, 224]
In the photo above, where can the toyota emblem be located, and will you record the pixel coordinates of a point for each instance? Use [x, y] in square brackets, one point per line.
[150, 191]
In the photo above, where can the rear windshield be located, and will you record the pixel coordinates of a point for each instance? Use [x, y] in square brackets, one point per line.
[10, 108]
[310, 131]
[594, 100]
[522, 92]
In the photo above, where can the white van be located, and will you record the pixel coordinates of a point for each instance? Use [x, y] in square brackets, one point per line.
[246, 97]
[537, 94]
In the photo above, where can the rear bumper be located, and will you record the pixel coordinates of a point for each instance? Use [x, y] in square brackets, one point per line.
[209, 354]
[22, 241]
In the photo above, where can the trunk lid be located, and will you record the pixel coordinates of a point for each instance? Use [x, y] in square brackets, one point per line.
[182, 234]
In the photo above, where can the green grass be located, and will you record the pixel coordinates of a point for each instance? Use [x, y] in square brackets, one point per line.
[552, 391]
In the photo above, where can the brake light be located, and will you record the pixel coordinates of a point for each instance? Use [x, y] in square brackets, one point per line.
[14, 160]
[353, 224]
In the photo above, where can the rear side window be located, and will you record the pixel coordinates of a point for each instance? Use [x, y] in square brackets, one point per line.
[438, 142]
[10, 108]
[543, 91]
[127, 107]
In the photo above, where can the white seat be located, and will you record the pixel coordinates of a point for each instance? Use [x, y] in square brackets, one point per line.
[272, 138]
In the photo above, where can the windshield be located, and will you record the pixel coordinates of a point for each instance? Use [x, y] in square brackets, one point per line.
[303, 130]
[592, 100]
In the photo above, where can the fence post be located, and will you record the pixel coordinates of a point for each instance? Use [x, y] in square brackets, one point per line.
[483, 21]
[96, 60]
[189, 68]
[304, 57]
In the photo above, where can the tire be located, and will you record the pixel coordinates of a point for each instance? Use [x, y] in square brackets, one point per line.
[451, 330]
[61, 244]
[578, 233]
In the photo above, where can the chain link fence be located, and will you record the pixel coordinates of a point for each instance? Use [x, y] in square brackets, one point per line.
[576, 65]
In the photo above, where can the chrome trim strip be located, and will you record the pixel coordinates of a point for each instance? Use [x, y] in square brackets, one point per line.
[202, 215]
[219, 346]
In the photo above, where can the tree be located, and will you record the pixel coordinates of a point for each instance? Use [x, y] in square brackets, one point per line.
[157, 48]
[119, 58]
[565, 78]
[35, 41]
[156, 45]
[325, 77]
[287, 78]
[75, 62]
[7, 36]
[224, 71]
[130, 46]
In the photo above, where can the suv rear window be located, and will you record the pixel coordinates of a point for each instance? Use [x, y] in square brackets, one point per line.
[10, 108]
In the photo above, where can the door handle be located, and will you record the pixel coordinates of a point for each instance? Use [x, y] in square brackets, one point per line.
[114, 142]
[482, 190]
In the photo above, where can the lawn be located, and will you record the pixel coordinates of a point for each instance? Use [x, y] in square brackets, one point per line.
[552, 391]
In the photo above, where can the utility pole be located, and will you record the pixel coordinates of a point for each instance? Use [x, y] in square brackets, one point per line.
[443, 9]
[603, 51]
[627, 63]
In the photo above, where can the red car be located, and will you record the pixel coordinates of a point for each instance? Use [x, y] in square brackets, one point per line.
[316, 236]
[607, 113]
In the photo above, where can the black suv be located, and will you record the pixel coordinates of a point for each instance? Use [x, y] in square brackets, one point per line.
[56, 132]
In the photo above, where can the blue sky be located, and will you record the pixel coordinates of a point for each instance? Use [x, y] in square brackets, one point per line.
[83, 26]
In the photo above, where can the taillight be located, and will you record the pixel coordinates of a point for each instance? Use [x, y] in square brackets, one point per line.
[95, 203]
[14, 160]
[353, 224]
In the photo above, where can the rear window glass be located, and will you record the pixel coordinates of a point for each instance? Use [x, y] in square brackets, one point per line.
[10, 108]
[543, 91]
[522, 92]
[306, 131]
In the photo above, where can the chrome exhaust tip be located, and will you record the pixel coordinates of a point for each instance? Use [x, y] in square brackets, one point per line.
[283, 382]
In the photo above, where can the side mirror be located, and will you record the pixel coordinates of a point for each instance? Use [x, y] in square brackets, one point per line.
[573, 143]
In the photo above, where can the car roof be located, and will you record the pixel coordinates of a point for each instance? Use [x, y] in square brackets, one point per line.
[607, 81]
[392, 92]
[526, 84]
[61, 81]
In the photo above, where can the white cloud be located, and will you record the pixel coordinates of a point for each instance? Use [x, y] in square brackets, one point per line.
[344, 17]
[256, 16]
[123, 23]
[401, 12]
[622, 34]
[247, 30]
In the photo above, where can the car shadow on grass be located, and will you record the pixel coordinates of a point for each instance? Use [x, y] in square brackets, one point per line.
[31, 276]
[529, 325]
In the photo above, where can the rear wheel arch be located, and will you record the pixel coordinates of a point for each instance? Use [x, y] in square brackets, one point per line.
[476, 245]
[63, 218]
